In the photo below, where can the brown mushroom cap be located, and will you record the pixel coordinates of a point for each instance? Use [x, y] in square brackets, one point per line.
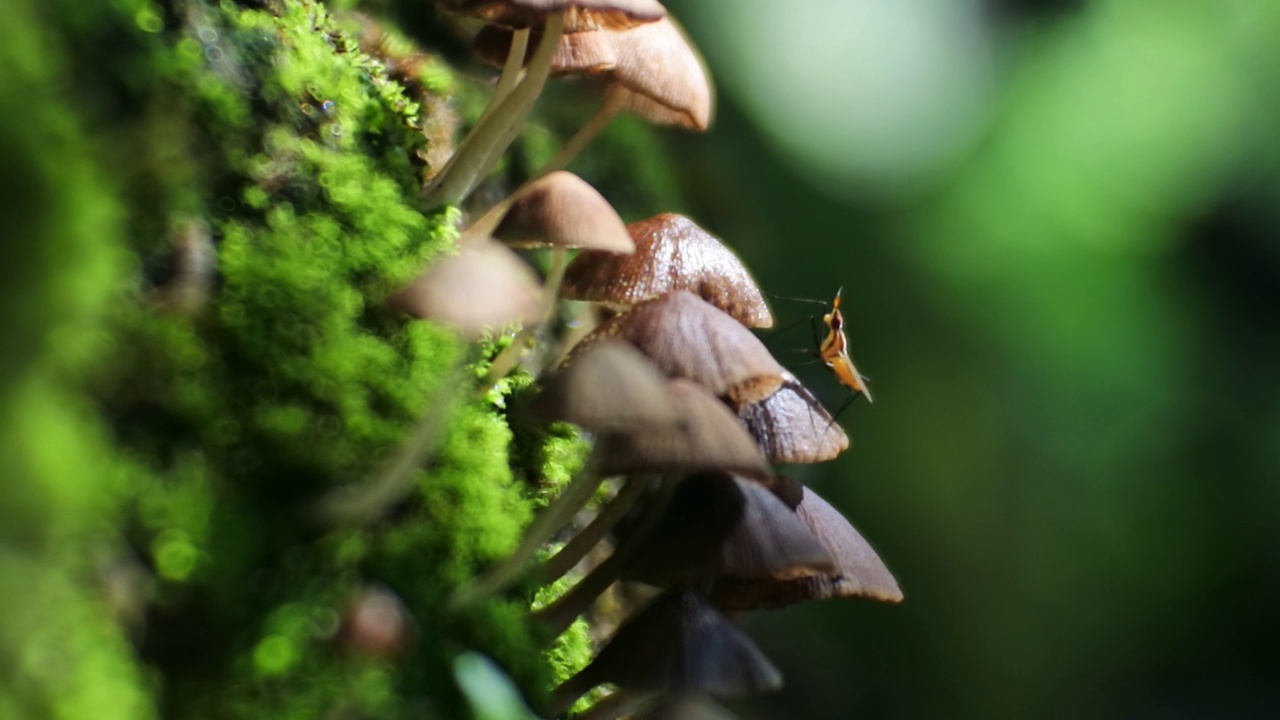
[562, 210]
[665, 76]
[580, 15]
[711, 438]
[861, 572]
[581, 53]
[687, 337]
[654, 68]
[485, 285]
[680, 643]
[793, 427]
[672, 253]
[720, 526]
[611, 388]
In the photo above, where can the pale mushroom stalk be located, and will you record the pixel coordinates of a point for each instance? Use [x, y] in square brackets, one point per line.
[559, 615]
[493, 216]
[613, 104]
[510, 71]
[490, 138]
[551, 518]
[572, 553]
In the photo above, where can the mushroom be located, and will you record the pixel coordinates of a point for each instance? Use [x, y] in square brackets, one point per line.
[613, 388]
[711, 440]
[485, 285]
[671, 253]
[580, 15]
[721, 526]
[860, 571]
[677, 644]
[791, 426]
[687, 337]
[710, 437]
[580, 53]
[560, 211]
[652, 70]
[513, 99]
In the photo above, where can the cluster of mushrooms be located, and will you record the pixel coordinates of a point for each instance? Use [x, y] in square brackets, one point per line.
[682, 400]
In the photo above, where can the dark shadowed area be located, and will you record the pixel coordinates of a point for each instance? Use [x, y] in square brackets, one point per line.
[1057, 230]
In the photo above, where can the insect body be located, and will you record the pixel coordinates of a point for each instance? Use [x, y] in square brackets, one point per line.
[834, 351]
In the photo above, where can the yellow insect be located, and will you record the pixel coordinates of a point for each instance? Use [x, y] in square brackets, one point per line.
[834, 351]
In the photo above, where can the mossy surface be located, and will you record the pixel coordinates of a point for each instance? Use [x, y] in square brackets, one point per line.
[159, 549]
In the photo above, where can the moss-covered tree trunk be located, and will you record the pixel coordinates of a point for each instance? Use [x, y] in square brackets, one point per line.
[204, 205]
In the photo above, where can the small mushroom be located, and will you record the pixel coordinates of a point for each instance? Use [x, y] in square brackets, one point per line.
[792, 426]
[711, 438]
[671, 253]
[485, 285]
[687, 337]
[860, 571]
[658, 75]
[612, 388]
[678, 644]
[501, 123]
[580, 15]
[580, 53]
[720, 526]
[561, 210]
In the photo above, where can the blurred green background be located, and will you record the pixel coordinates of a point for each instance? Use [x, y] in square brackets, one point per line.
[1057, 225]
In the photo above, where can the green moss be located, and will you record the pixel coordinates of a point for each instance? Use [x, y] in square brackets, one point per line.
[63, 656]
[195, 443]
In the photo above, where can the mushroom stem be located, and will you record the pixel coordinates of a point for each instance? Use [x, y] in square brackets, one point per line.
[577, 548]
[559, 615]
[492, 217]
[510, 71]
[554, 516]
[490, 137]
[506, 360]
[588, 132]
[506, 83]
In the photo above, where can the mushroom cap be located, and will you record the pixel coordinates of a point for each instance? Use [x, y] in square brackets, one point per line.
[581, 53]
[717, 525]
[659, 74]
[580, 15]
[710, 438]
[485, 285]
[561, 209]
[611, 388]
[666, 76]
[687, 337]
[672, 253]
[860, 573]
[793, 427]
[680, 643]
